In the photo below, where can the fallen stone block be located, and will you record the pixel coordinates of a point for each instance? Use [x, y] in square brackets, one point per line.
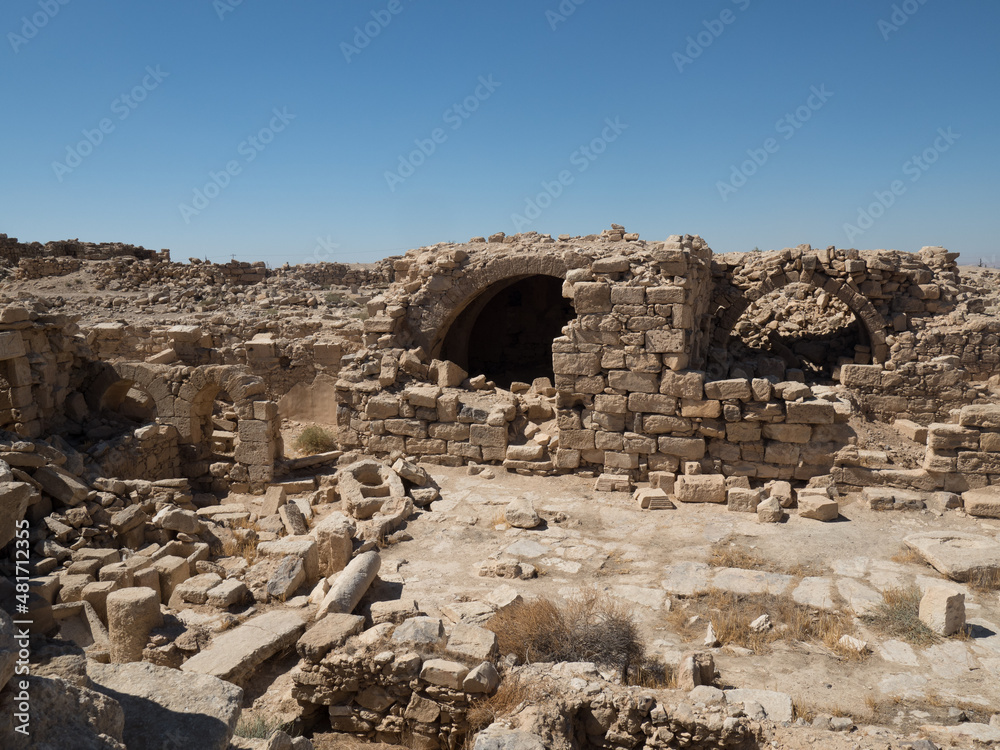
[236, 654]
[334, 535]
[700, 488]
[350, 585]
[956, 554]
[444, 673]
[329, 633]
[892, 498]
[982, 503]
[161, 703]
[521, 514]
[942, 609]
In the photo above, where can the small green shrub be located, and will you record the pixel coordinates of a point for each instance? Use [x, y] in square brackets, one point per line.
[315, 439]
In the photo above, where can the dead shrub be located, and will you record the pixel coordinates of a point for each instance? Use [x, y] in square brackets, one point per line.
[908, 556]
[592, 628]
[244, 540]
[314, 439]
[731, 616]
[985, 581]
[898, 616]
[732, 553]
[513, 691]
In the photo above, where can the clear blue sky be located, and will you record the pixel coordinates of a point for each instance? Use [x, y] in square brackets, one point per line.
[685, 123]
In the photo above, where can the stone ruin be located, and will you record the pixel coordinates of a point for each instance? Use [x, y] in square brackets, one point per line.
[149, 462]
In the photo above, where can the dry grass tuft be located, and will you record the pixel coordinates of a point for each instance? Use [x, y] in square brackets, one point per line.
[731, 615]
[732, 553]
[985, 581]
[243, 543]
[908, 556]
[899, 617]
[314, 439]
[592, 628]
[512, 692]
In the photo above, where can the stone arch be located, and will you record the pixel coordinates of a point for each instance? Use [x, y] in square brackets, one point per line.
[110, 382]
[429, 319]
[736, 300]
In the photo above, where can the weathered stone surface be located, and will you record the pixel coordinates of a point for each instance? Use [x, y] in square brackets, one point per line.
[472, 642]
[13, 504]
[700, 488]
[942, 609]
[521, 514]
[482, 679]
[444, 673]
[64, 715]
[420, 631]
[160, 703]
[817, 505]
[777, 706]
[61, 485]
[286, 579]
[351, 584]
[956, 554]
[132, 614]
[329, 633]
[892, 498]
[983, 503]
[235, 654]
[769, 510]
[334, 536]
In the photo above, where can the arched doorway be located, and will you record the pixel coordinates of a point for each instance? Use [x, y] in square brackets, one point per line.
[506, 332]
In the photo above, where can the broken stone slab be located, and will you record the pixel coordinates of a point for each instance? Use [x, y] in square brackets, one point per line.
[982, 503]
[161, 703]
[350, 585]
[14, 497]
[64, 715]
[473, 643]
[303, 547]
[688, 578]
[613, 483]
[195, 589]
[286, 579]
[482, 679]
[958, 555]
[700, 488]
[235, 654]
[329, 633]
[770, 511]
[411, 472]
[652, 498]
[942, 609]
[420, 631]
[61, 485]
[444, 673]
[816, 592]
[334, 535]
[521, 514]
[777, 706]
[293, 519]
[740, 581]
[817, 505]
[892, 498]
[228, 593]
[394, 611]
[365, 486]
[274, 498]
[860, 598]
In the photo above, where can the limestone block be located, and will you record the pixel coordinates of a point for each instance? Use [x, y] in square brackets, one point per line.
[702, 409]
[586, 363]
[770, 511]
[685, 385]
[665, 340]
[334, 536]
[982, 503]
[942, 609]
[817, 504]
[302, 547]
[350, 585]
[810, 412]
[788, 433]
[742, 500]
[132, 613]
[444, 673]
[591, 297]
[980, 416]
[172, 572]
[911, 430]
[943, 437]
[686, 448]
[473, 643]
[737, 388]
[700, 488]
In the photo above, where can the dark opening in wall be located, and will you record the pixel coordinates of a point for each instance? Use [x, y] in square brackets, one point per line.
[506, 332]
